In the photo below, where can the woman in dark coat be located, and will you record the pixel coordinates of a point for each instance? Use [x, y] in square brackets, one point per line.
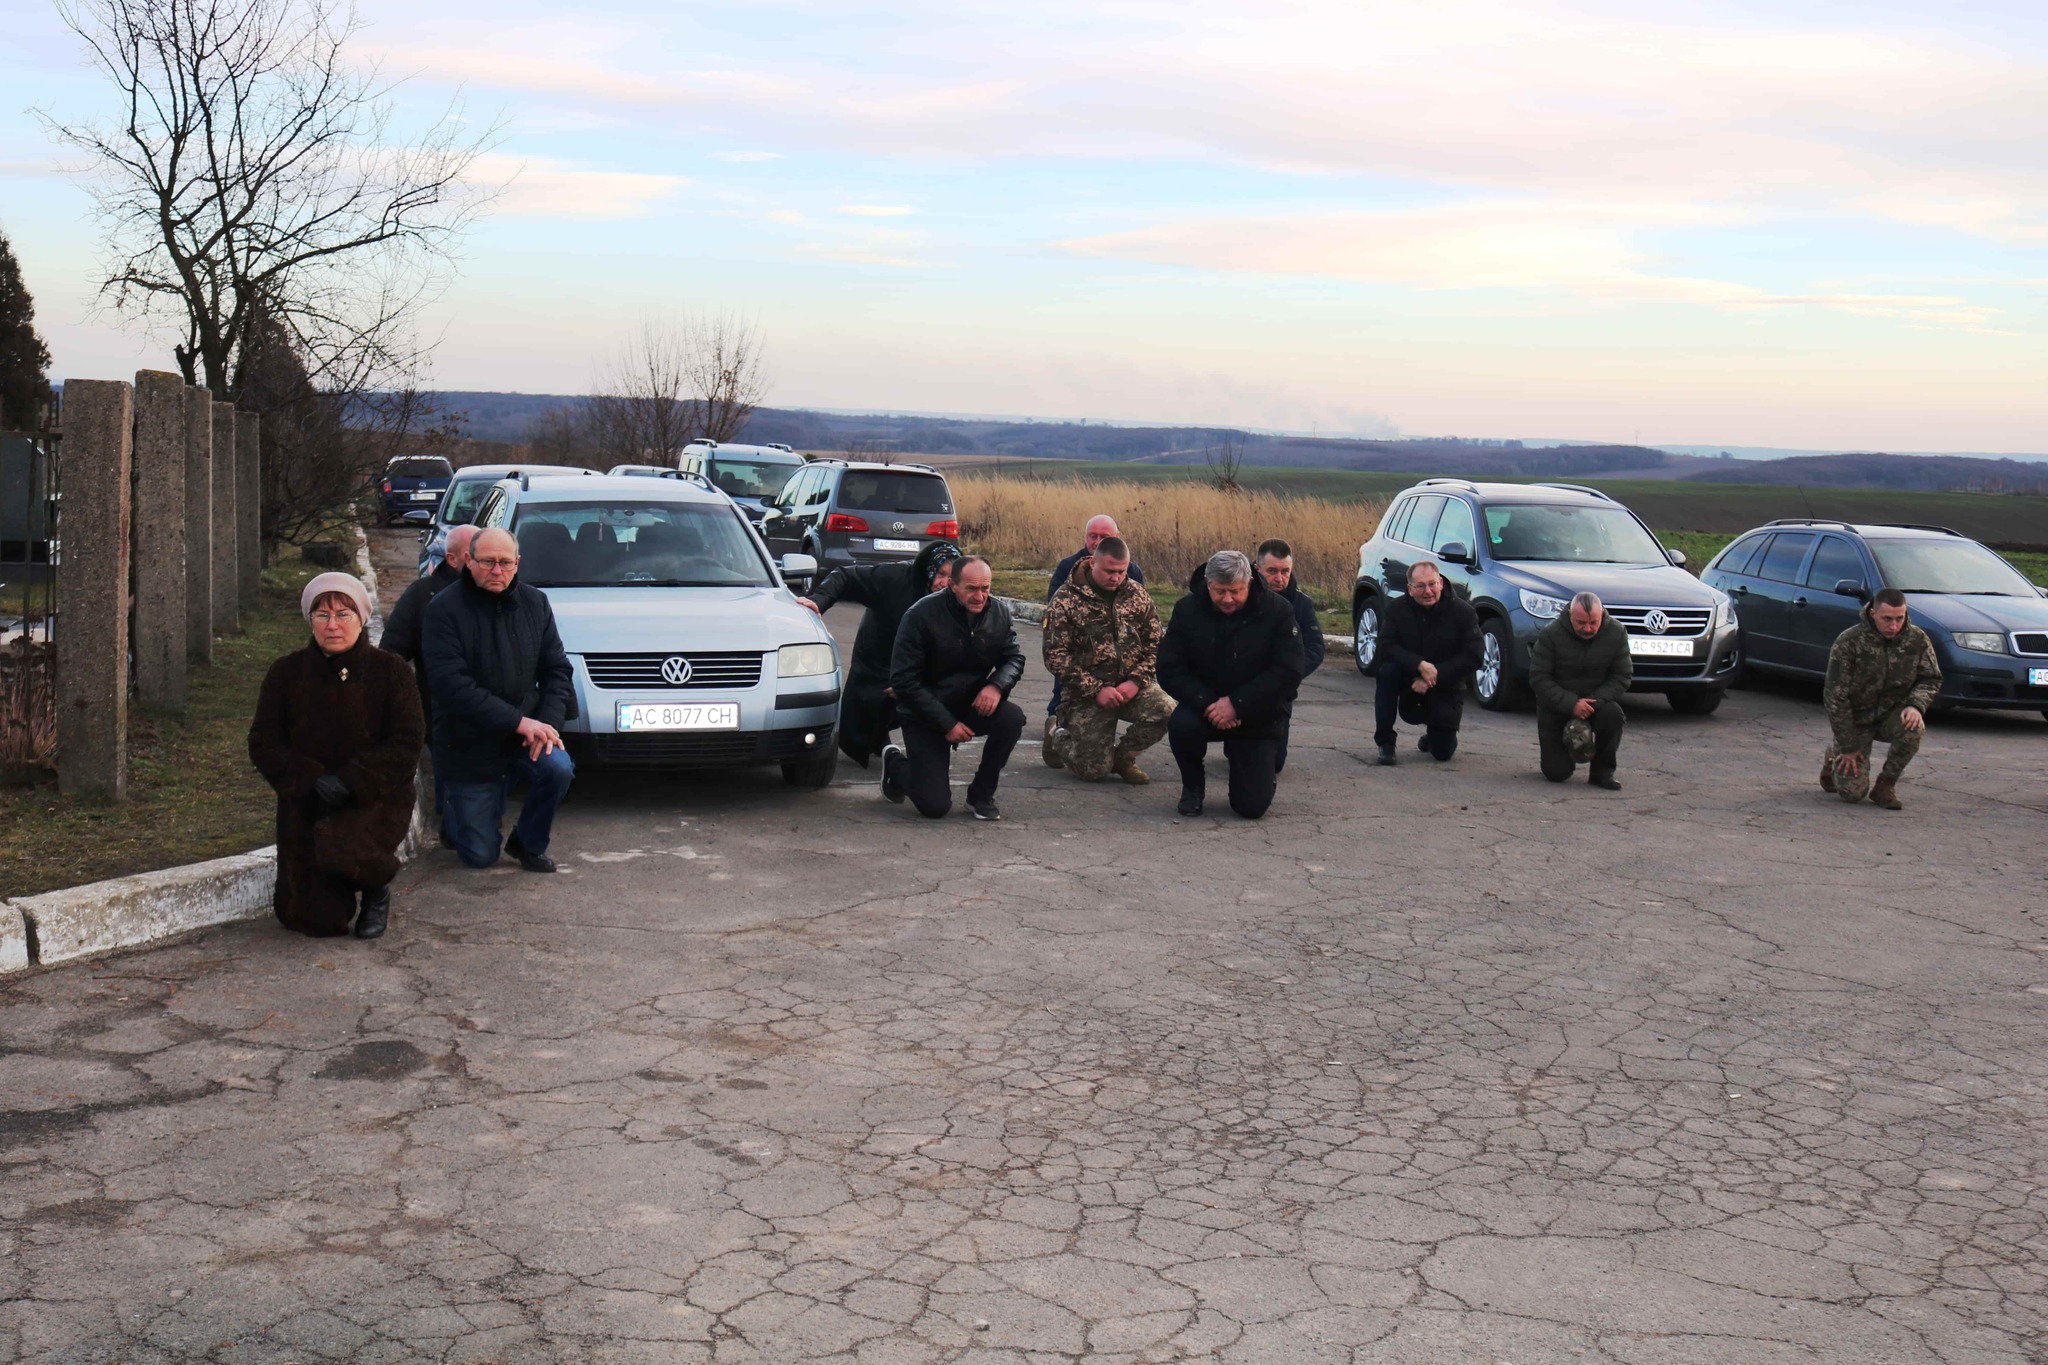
[867, 713]
[337, 734]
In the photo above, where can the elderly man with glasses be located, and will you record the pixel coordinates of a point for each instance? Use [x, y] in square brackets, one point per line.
[502, 685]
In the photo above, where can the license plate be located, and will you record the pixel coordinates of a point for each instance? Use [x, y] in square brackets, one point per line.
[881, 544]
[425, 497]
[667, 715]
[1663, 649]
[2037, 677]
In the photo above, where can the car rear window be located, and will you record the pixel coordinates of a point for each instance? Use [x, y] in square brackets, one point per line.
[884, 491]
[420, 469]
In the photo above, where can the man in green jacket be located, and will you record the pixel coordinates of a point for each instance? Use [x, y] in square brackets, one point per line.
[1882, 677]
[1580, 668]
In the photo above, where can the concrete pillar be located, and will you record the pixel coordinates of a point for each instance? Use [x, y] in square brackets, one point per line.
[92, 590]
[248, 509]
[198, 524]
[159, 541]
[227, 617]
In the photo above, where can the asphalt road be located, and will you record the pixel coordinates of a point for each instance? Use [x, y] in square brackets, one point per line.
[1432, 1064]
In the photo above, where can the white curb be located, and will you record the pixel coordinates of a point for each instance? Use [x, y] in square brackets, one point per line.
[13, 940]
[82, 921]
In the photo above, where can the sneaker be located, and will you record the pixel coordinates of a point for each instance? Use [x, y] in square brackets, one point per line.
[892, 783]
[1388, 758]
[1605, 781]
[1190, 802]
[1054, 737]
[984, 810]
[532, 862]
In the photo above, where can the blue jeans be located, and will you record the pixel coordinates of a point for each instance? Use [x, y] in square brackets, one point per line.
[476, 810]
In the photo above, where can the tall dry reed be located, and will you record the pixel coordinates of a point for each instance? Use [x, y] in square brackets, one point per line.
[1030, 523]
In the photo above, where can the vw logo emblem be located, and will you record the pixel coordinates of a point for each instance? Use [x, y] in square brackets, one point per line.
[897, 527]
[1656, 623]
[675, 670]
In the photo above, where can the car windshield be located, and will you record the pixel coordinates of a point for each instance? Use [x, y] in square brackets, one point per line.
[637, 544]
[881, 491]
[1563, 531]
[1953, 566]
[464, 497]
[752, 478]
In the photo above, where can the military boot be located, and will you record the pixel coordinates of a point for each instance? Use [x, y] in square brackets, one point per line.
[1827, 774]
[1125, 765]
[1051, 748]
[1884, 792]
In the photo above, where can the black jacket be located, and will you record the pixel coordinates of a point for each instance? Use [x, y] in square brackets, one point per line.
[493, 659]
[1446, 635]
[1311, 628]
[1065, 571]
[1563, 668]
[943, 657]
[887, 591]
[402, 626]
[1253, 656]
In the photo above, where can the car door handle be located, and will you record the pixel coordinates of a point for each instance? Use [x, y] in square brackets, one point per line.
[1798, 601]
[1739, 590]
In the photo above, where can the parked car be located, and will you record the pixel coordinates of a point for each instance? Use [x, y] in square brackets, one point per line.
[688, 648]
[412, 487]
[1798, 584]
[1520, 552]
[750, 474]
[845, 512]
[464, 496]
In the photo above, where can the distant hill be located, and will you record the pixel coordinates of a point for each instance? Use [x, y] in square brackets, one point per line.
[1910, 473]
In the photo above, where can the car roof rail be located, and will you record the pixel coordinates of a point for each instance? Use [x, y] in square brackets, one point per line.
[782, 445]
[1918, 526]
[1575, 488]
[1444, 478]
[703, 441]
[526, 476]
[1811, 521]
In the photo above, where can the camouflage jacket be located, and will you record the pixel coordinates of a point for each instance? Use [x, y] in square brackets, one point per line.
[1869, 677]
[1095, 640]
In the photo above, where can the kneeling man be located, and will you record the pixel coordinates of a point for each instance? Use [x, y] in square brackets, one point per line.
[1882, 677]
[1580, 668]
[1102, 647]
[1232, 659]
[955, 661]
[1429, 646]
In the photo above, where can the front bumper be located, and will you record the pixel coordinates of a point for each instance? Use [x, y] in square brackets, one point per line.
[780, 719]
[1992, 682]
[722, 749]
[1715, 661]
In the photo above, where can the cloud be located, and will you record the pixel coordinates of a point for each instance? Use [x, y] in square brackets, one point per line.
[875, 210]
[536, 188]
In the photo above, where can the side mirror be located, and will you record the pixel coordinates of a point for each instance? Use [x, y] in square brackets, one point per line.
[1849, 587]
[1677, 558]
[799, 568]
[1455, 552]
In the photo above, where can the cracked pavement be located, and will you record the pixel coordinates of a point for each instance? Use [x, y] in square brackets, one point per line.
[1432, 1064]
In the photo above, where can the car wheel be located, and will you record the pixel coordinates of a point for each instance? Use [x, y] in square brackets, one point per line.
[1495, 683]
[1365, 637]
[813, 771]
[1701, 703]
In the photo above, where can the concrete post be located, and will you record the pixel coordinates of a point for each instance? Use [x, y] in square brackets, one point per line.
[159, 542]
[248, 509]
[227, 618]
[92, 590]
[198, 525]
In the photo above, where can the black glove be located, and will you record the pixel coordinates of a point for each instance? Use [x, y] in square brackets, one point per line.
[331, 793]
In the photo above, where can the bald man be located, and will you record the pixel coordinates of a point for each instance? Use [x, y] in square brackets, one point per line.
[1099, 526]
[502, 685]
[402, 635]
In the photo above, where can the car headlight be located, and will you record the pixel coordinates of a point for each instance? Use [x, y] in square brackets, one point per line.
[804, 661]
[1541, 607]
[1724, 612]
[1983, 641]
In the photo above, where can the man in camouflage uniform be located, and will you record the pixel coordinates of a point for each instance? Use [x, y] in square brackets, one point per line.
[1882, 677]
[1102, 643]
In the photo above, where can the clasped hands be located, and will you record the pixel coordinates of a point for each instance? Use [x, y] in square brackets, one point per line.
[1425, 677]
[985, 703]
[539, 737]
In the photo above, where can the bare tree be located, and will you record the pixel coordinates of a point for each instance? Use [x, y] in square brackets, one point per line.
[724, 364]
[254, 188]
[560, 436]
[873, 449]
[1223, 460]
[677, 381]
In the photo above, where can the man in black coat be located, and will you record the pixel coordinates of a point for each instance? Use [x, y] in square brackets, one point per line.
[1275, 563]
[1232, 659]
[1580, 667]
[1429, 646]
[402, 635]
[502, 684]
[867, 713]
[1099, 528]
[955, 661]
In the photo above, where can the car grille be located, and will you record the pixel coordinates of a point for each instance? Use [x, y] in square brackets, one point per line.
[617, 671]
[728, 750]
[1678, 620]
[2033, 643]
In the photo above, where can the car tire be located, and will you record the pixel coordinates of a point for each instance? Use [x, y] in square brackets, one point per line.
[1494, 681]
[813, 771]
[1701, 703]
[1365, 637]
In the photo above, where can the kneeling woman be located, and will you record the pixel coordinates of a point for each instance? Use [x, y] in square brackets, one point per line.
[337, 734]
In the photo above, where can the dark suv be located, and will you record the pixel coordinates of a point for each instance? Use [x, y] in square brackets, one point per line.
[412, 487]
[1520, 552]
[842, 512]
[1798, 584]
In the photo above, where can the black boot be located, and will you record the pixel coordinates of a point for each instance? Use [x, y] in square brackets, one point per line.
[376, 912]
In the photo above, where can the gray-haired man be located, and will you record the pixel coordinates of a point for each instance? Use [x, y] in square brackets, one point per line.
[1580, 668]
[1232, 659]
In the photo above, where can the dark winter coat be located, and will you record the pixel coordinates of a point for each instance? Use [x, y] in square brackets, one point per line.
[1063, 573]
[1563, 668]
[493, 659]
[355, 715]
[943, 657]
[402, 627]
[1312, 647]
[1446, 635]
[866, 715]
[1252, 656]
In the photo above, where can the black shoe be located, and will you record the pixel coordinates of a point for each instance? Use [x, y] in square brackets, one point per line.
[1605, 781]
[532, 862]
[1388, 758]
[984, 810]
[375, 914]
[1190, 802]
[892, 784]
[1422, 741]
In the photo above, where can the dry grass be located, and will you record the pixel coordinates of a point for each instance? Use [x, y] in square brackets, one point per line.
[1029, 523]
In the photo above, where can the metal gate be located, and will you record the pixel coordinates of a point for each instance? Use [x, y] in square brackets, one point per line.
[31, 555]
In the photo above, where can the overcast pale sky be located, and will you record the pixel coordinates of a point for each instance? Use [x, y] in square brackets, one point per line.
[1802, 223]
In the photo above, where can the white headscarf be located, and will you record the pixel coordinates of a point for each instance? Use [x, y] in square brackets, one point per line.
[347, 584]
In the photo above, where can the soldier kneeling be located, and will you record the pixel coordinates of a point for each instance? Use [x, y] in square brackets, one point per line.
[1882, 677]
[1102, 644]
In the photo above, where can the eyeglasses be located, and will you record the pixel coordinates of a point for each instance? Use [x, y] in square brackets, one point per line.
[495, 563]
[333, 618]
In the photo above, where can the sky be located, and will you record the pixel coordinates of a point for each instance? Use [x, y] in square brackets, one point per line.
[1806, 223]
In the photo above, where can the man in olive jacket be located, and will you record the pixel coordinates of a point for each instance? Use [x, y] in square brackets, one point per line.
[1882, 677]
[955, 661]
[1102, 645]
[1580, 668]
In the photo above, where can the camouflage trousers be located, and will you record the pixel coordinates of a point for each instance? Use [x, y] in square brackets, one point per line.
[1903, 745]
[1087, 732]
